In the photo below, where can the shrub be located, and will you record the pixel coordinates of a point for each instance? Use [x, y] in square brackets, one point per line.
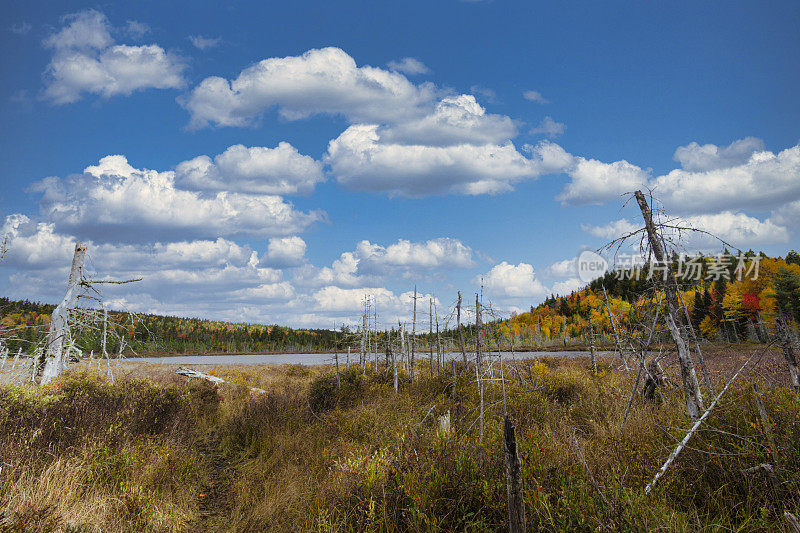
[325, 393]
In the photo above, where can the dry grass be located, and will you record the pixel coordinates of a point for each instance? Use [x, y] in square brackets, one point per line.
[167, 454]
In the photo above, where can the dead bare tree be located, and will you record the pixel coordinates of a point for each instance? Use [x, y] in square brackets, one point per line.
[787, 345]
[591, 346]
[52, 360]
[413, 337]
[516, 501]
[674, 318]
[460, 330]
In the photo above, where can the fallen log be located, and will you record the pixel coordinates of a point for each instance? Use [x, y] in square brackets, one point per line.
[208, 377]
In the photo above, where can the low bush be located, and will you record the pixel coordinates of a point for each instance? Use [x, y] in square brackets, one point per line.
[327, 392]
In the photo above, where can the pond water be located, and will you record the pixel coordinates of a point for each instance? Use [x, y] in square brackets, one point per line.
[322, 358]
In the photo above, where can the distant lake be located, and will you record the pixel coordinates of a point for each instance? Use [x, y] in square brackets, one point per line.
[323, 358]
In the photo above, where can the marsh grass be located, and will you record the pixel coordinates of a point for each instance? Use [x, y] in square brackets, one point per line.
[167, 454]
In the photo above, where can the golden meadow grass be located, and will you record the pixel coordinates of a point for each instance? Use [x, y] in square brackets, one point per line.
[155, 451]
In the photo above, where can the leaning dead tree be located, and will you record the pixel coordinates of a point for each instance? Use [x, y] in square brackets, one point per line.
[674, 317]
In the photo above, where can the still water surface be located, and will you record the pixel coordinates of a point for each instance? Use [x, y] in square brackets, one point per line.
[321, 358]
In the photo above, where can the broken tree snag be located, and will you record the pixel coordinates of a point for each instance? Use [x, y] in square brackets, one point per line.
[478, 355]
[430, 334]
[653, 381]
[336, 356]
[591, 345]
[691, 387]
[516, 502]
[787, 343]
[52, 360]
[460, 331]
[413, 337]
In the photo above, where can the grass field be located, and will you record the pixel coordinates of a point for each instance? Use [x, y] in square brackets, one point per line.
[156, 451]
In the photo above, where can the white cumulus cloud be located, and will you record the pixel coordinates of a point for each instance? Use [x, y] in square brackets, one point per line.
[360, 160]
[596, 182]
[86, 60]
[512, 281]
[284, 252]
[115, 201]
[739, 176]
[550, 127]
[261, 170]
[321, 81]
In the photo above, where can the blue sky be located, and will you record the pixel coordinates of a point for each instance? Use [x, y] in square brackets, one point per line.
[273, 163]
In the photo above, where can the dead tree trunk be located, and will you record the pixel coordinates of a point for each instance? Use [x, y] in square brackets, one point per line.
[703, 367]
[52, 360]
[394, 364]
[516, 502]
[439, 353]
[430, 312]
[336, 356]
[413, 336]
[691, 387]
[402, 340]
[613, 320]
[591, 345]
[787, 343]
[460, 331]
[653, 381]
[478, 355]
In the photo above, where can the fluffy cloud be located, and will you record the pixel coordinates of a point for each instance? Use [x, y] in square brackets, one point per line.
[595, 182]
[203, 43]
[512, 281]
[738, 229]
[173, 272]
[114, 201]
[535, 96]
[550, 127]
[285, 252]
[390, 305]
[324, 81]
[567, 286]
[279, 170]
[787, 214]
[562, 269]
[343, 273]
[455, 120]
[436, 253]
[371, 263]
[711, 178]
[361, 161]
[612, 230]
[85, 59]
[409, 65]
[738, 176]
[696, 158]
[34, 245]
